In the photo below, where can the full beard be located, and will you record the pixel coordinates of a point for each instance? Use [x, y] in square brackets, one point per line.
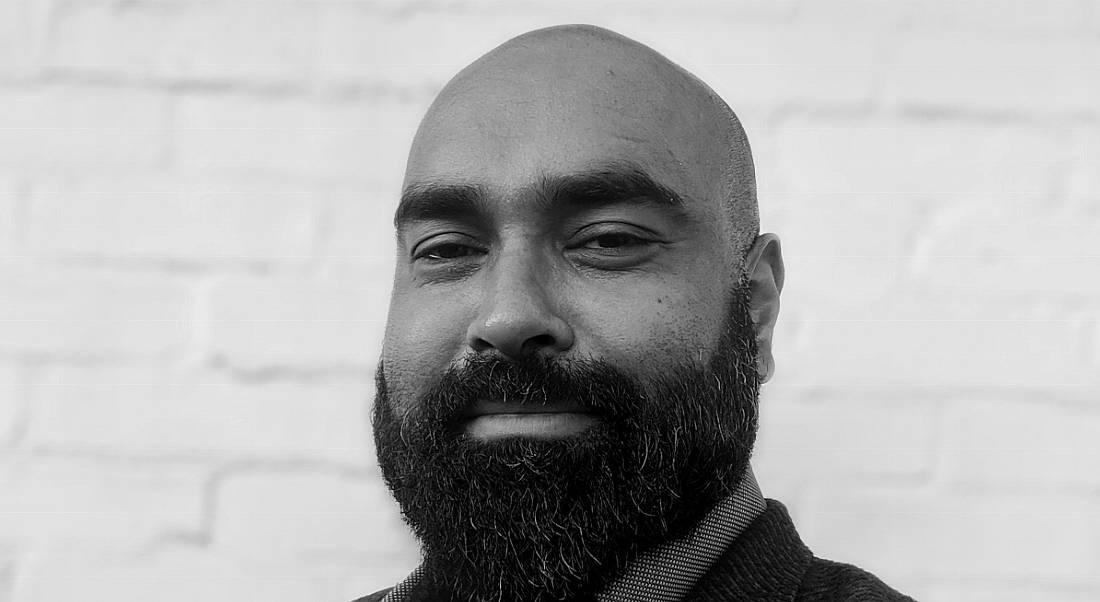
[534, 519]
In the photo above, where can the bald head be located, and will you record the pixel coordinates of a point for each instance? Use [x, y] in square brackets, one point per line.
[572, 98]
[581, 315]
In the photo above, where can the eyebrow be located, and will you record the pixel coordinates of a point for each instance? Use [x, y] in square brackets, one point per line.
[428, 201]
[606, 185]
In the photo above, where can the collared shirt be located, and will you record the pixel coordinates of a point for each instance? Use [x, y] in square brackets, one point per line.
[666, 573]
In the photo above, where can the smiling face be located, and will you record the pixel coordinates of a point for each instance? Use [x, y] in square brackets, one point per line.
[561, 205]
[569, 373]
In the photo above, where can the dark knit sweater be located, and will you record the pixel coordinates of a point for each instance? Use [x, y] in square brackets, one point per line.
[768, 562]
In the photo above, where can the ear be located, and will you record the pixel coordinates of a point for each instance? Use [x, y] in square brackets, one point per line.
[764, 265]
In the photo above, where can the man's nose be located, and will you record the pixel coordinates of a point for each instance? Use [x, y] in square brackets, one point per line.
[518, 317]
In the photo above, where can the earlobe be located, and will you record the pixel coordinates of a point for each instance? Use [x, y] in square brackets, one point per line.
[764, 266]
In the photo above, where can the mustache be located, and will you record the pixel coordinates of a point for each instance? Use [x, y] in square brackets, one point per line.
[591, 385]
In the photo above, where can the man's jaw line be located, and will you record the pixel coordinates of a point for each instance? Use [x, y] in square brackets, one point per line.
[491, 420]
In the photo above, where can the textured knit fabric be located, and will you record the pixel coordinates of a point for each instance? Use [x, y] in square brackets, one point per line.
[668, 572]
[767, 563]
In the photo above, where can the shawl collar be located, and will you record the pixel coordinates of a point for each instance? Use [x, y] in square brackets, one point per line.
[765, 564]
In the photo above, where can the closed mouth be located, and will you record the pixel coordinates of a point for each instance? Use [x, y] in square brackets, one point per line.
[487, 420]
[488, 408]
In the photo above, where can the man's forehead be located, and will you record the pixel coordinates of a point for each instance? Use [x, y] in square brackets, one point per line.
[511, 165]
[558, 103]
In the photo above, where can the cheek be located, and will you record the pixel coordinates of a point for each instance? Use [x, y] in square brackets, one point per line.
[422, 339]
[657, 328]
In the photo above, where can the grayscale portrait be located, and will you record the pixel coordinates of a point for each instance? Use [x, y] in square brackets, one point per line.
[581, 320]
[638, 301]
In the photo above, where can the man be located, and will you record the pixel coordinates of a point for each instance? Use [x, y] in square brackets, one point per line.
[581, 318]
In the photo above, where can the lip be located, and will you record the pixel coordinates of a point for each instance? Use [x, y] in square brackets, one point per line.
[488, 420]
[490, 408]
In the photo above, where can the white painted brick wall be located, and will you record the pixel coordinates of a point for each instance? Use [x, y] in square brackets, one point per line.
[12, 409]
[200, 416]
[51, 498]
[343, 140]
[195, 205]
[171, 218]
[293, 322]
[9, 208]
[229, 43]
[82, 128]
[86, 314]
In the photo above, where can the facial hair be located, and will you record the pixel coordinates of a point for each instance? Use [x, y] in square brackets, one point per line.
[534, 519]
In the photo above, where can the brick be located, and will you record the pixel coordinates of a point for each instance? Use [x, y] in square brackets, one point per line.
[338, 142]
[151, 413]
[1007, 74]
[903, 536]
[1023, 246]
[839, 437]
[920, 257]
[82, 128]
[172, 217]
[12, 402]
[19, 29]
[59, 499]
[311, 514]
[803, 318]
[305, 323]
[909, 157]
[778, 68]
[850, 225]
[1004, 443]
[782, 68]
[1083, 181]
[945, 49]
[855, 14]
[9, 565]
[922, 353]
[231, 42]
[1067, 274]
[1018, 590]
[846, 250]
[79, 314]
[181, 573]
[919, 302]
[394, 55]
[10, 200]
[358, 226]
[1094, 343]
[1027, 17]
[580, 11]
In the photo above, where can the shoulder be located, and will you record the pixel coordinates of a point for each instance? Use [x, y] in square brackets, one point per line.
[375, 597]
[828, 580]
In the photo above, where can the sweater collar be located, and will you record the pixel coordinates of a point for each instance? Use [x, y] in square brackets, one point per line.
[667, 572]
[767, 563]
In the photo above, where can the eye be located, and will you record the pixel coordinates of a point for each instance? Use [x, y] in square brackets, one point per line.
[614, 247]
[447, 250]
[614, 241]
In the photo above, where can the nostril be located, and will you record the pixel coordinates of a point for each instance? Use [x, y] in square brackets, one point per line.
[537, 342]
[530, 346]
[480, 345]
